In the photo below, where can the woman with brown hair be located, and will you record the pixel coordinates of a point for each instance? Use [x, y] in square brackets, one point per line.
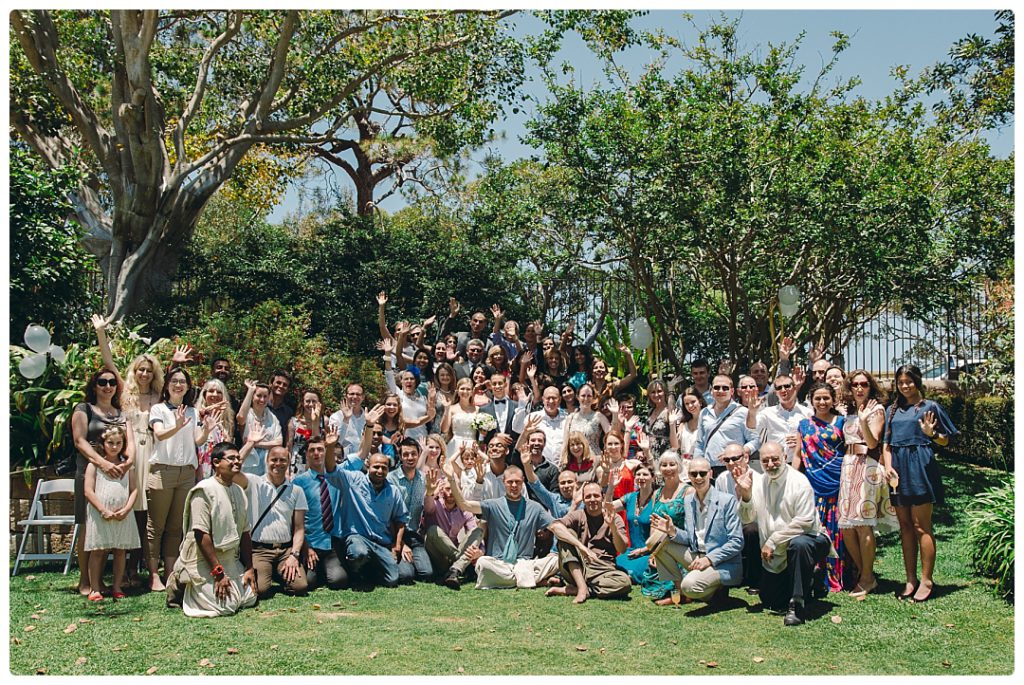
[863, 495]
[100, 412]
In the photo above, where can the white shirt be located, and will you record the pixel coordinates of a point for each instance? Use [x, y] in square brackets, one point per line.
[493, 487]
[350, 434]
[414, 407]
[276, 526]
[255, 461]
[775, 423]
[783, 508]
[180, 448]
[554, 431]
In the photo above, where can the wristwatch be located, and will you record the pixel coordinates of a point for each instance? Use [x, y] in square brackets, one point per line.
[295, 554]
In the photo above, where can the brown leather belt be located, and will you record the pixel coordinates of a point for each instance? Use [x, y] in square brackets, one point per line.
[857, 449]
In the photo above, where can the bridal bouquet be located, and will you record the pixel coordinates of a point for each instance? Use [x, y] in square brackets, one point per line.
[483, 423]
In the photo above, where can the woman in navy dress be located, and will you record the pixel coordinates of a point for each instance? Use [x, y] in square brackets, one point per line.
[913, 427]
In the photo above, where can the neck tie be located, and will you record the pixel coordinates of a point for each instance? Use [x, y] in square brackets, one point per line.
[326, 513]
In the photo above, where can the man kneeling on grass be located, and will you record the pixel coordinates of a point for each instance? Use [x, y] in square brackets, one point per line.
[603, 533]
[512, 524]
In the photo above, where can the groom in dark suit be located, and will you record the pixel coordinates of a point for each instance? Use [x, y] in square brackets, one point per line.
[503, 409]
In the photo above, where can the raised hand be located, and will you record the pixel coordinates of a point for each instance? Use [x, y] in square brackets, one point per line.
[453, 307]
[531, 371]
[382, 298]
[799, 376]
[432, 476]
[182, 354]
[786, 348]
[387, 345]
[497, 312]
[754, 401]
[663, 524]
[612, 405]
[98, 322]
[256, 434]
[608, 510]
[250, 385]
[865, 412]
[331, 435]
[532, 424]
[346, 409]
[577, 495]
[816, 353]
[429, 321]
[179, 416]
[643, 441]
[928, 423]
[744, 484]
[401, 328]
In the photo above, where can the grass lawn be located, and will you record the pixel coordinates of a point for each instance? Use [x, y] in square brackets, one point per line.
[430, 630]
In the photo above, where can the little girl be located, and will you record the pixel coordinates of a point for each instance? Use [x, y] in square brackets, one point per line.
[108, 528]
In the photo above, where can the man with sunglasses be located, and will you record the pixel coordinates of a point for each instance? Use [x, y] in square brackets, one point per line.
[791, 536]
[708, 547]
[737, 464]
[720, 423]
[781, 422]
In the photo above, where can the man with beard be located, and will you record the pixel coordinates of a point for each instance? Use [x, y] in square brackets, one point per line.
[792, 539]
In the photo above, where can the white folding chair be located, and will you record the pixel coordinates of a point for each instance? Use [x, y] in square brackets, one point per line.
[37, 517]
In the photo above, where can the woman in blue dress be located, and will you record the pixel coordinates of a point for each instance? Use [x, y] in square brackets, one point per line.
[637, 505]
[913, 427]
[822, 446]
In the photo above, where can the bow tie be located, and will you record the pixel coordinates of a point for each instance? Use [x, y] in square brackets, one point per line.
[500, 401]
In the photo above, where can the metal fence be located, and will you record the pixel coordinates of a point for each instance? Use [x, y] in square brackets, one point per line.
[887, 341]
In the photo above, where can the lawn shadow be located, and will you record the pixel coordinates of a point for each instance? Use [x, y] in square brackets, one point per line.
[730, 603]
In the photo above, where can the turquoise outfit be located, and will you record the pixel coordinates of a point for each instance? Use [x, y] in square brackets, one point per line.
[639, 525]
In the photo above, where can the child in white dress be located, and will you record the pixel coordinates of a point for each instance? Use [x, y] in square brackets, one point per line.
[110, 525]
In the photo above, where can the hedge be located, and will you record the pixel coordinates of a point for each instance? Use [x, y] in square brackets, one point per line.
[986, 429]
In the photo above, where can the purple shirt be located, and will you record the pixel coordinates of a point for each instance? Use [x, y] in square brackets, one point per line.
[450, 522]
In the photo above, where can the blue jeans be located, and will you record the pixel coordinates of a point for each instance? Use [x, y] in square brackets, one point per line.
[373, 562]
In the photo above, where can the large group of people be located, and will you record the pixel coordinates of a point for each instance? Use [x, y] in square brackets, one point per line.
[507, 461]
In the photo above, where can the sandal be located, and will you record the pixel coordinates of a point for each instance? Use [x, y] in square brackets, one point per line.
[119, 595]
[95, 596]
[905, 596]
[916, 600]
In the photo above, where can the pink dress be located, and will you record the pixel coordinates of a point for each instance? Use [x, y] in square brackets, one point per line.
[863, 492]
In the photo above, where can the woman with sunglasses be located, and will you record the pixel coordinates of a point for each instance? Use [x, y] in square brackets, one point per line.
[863, 495]
[100, 412]
[822, 446]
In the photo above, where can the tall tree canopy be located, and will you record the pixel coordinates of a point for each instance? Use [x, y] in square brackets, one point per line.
[161, 109]
[724, 180]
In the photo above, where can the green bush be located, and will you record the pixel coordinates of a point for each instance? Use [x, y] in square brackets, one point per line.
[990, 536]
[986, 429]
[273, 336]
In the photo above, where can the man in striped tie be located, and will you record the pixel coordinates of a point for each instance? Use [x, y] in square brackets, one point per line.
[323, 549]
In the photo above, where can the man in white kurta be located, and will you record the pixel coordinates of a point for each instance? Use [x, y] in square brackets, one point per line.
[214, 565]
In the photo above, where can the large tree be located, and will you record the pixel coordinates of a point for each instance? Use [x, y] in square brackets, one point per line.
[161, 109]
[732, 178]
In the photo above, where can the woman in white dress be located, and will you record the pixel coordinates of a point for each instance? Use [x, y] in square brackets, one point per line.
[458, 418]
[686, 428]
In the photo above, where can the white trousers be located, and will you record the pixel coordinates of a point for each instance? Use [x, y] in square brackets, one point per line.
[493, 573]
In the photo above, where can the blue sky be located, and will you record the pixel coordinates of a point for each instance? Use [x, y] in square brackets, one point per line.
[880, 40]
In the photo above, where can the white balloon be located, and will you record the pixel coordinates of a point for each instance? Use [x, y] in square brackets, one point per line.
[789, 295]
[32, 366]
[56, 353]
[788, 310]
[640, 333]
[37, 338]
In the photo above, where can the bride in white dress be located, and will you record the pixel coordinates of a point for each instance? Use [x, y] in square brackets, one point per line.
[457, 418]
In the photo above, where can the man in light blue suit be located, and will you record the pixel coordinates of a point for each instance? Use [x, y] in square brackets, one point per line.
[708, 547]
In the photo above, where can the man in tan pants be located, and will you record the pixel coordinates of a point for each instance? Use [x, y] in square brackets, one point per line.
[709, 546]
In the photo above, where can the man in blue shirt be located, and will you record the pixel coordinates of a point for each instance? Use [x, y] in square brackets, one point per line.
[413, 486]
[723, 422]
[373, 521]
[323, 517]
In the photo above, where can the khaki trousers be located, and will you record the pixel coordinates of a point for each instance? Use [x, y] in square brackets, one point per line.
[671, 561]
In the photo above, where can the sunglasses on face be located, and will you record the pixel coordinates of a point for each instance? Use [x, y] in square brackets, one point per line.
[106, 382]
[729, 460]
[698, 474]
[784, 386]
[859, 384]
[722, 388]
[748, 387]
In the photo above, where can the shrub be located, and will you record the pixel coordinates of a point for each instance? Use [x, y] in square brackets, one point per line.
[275, 336]
[990, 536]
[986, 429]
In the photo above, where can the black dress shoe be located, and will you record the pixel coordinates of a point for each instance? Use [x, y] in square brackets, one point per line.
[453, 580]
[752, 591]
[792, 616]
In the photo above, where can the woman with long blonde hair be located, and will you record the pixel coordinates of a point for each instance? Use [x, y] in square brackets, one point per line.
[212, 397]
[576, 457]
